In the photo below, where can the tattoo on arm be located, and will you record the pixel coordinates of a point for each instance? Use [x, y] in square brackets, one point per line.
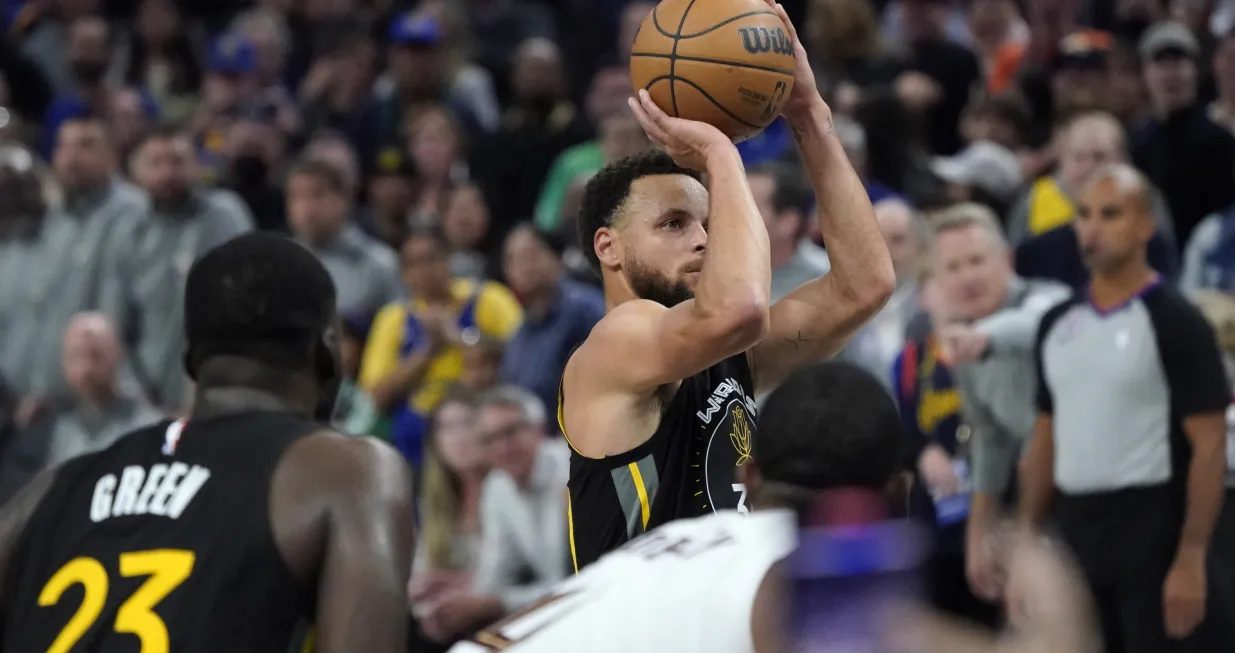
[798, 341]
[831, 126]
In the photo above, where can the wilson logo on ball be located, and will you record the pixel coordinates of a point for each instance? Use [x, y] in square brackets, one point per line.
[761, 40]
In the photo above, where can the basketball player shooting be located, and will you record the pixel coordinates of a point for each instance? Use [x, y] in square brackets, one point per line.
[231, 530]
[658, 403]
[831, 429]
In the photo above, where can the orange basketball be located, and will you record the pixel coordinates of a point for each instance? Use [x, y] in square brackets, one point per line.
[724, 62]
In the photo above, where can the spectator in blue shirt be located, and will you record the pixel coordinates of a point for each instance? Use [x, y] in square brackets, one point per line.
[558, 312]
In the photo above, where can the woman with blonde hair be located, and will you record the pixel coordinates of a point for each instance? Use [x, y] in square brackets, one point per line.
[454, 470]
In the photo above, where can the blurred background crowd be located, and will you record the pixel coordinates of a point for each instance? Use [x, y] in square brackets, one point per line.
[432, 153]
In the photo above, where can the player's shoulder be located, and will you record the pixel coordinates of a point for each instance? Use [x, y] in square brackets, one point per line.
[347, 465]
[631, 317]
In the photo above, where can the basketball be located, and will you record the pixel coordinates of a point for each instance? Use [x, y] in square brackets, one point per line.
[728, 63]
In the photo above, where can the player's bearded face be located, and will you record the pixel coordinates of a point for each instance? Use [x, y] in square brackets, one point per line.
[649, 283]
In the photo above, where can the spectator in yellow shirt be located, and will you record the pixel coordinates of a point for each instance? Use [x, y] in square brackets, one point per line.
[415, 348]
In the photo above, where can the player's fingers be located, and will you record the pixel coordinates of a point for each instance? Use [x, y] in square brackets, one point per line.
[653, 110]
[653, 130]
[784, 17]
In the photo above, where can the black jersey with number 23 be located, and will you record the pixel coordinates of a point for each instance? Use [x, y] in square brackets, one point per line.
[161, 543]
[686, 469]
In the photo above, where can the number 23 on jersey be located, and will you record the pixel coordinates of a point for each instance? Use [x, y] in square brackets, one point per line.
[165, 570]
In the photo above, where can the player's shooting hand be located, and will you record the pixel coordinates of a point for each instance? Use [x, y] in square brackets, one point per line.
[805, 92]
[1183, 595]
[689, 142]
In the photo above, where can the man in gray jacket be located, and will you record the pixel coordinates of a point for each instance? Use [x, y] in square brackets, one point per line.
[142, 291]
[992, 318]
[50, 270]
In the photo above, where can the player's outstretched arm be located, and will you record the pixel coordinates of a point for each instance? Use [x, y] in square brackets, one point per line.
[13, 520]
[815, 320]
[342, 507]
[641, 344]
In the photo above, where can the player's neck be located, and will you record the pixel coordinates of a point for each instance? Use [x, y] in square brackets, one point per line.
[1118, 286]
[617, 292]
[216, 402]
[229, 384]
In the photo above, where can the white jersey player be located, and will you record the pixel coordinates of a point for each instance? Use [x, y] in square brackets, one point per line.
[713, 584]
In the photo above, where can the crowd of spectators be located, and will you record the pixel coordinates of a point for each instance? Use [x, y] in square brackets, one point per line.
[432, 153]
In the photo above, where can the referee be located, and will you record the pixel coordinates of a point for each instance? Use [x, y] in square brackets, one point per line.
[1128, 448]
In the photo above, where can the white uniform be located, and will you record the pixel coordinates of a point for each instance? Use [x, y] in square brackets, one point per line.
[686, 587]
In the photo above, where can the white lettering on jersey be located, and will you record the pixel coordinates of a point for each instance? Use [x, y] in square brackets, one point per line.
[722, 391]
[164, 490]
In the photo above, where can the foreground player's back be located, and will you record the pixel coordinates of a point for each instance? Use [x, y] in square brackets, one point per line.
[163, 541]
[686, 587]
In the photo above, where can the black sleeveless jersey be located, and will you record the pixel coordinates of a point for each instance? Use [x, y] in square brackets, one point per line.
[686, 469]
[161, 543]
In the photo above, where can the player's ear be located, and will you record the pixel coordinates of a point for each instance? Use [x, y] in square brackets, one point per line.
[608, 247]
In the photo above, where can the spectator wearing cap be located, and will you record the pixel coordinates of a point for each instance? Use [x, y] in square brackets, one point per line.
[984, 172]
[1040, 224]
[1182, 151]
[392, 194]
[1128, 447]
[558, 312]
[230, 93]
[320, 203]
[90, 48]
[539, 125]
[143, 291]
[987, 316]
[416, 77]
[1079, 72]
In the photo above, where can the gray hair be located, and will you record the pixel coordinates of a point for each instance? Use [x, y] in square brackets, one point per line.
[970, 214]
[530, 407]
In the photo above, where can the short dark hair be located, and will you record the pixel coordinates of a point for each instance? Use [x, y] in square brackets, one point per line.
[161, 132]
[828, 426]
[330, 175]
[258, 296]
[608, 189]
[792, 191]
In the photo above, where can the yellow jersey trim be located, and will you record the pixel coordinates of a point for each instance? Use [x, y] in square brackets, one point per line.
[643, 493]
[570, 529]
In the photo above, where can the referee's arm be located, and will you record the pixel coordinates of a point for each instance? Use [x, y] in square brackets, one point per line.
[1199, 395]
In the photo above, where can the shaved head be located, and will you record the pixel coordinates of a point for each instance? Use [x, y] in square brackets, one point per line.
[1114, 218]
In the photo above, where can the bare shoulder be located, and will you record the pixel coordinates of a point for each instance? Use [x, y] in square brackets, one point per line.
[616, 337]
[348, 466]
[327, 476]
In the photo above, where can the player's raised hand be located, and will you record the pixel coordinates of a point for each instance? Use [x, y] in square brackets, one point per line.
[689, 142]
[805, 92]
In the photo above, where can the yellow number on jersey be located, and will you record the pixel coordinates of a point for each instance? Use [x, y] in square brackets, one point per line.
[166, 568]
